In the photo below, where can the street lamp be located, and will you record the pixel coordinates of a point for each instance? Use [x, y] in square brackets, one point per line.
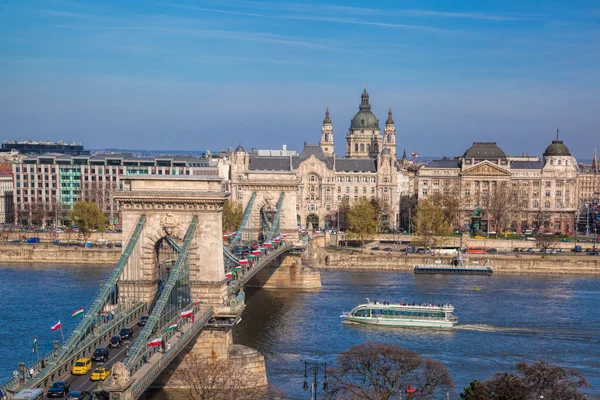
[311, 369]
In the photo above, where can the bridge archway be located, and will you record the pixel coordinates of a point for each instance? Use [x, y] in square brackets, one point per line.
[169, 206]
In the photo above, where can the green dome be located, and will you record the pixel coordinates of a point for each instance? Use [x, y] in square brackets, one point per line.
[364, 118]
[557, 148]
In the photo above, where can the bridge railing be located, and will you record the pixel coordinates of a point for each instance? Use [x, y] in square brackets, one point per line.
[237, 284]
[149, 376]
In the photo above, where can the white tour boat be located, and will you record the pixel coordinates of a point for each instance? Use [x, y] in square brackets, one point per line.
[402, 314]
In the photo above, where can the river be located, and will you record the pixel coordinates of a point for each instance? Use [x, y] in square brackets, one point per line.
[503, 319]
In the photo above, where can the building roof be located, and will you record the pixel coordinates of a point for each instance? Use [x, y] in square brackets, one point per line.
[240, 149]
[445, 163]
[267, 163]
[6, 171]
[484, 151]
[355, 165]
[312, 150]
[526, 165]
[557, 148]
[364, 118]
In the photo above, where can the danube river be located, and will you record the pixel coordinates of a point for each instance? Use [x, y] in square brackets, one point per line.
[503, 319]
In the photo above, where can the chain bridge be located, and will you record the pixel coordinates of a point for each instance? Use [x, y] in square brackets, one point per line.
[181, 272]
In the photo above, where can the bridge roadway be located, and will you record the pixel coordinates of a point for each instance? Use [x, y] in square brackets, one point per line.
[84, 382]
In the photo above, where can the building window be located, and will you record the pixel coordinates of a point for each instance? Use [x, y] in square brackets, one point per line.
[536, 204]
[339, 189]
[425, 182]
[436, 182]
[312, 178]
[347, 190]
[559, 184]
[364, 190]
[365, 179]
[348, 179]
[547, 204]
[559, 193]
[328, 207]
[372, 190]
[340, 179]
[386, 180]
[356, 197]
[355, 190]
[425, 192]
[468, 192]
[339, 197]
[548, 184]
[547, 193]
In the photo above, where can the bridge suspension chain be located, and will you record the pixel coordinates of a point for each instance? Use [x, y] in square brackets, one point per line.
[245, 217]
[275, 224]
[171, 291]
[107, 291]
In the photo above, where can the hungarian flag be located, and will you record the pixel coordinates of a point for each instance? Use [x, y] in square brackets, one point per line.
[225, 236]
[284, 235]
[256, 252]
[201, 301]
[172, 327]
[229, 275]
[243, 261]
[34, 349]
[77, 312]
[267, 244]
[277, 239]
[56, 327]
[187, 313]
[155, 342]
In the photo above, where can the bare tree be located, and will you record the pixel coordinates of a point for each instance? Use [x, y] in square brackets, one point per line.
[503, 206]
[381, 371]
[545, 242]
[215, 379]
[450, 206]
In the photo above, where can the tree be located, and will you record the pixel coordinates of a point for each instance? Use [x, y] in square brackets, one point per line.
[533, 381]
[381, 371]
[430, 223]
[450, 206]
[503, 206]
[87, 216]
[342, 214]
[232, 216]
[550, 381]
[475, 391]
[362, 221]
[215, 379]
[383, 212]
[545, 242]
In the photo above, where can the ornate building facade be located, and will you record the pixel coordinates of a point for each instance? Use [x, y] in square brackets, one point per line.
[546, 189]
[589, 182]
[369, 170]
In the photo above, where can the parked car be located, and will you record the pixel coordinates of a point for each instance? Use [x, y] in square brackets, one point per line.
[115, 342]
[564, 240]
[492, 251]
[388, 249]
[33, 240]
[143, 320]
[81, 366]
[516, 250]
[593, 253]
[59, 389]
[100, 374]
[126, 333]
[577, 249]
[100, 354]
[78, 395]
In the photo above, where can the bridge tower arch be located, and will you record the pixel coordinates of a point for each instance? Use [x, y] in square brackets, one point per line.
[169, 205]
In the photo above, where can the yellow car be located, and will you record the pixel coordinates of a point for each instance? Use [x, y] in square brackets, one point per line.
[100, 374]
[81, 366]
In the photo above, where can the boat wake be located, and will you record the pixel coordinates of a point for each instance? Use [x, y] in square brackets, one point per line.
[491, 328]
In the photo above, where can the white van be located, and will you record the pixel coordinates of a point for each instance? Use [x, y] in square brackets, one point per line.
[29, 394]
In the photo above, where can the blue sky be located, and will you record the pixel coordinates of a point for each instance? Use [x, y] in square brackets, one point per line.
[193, 75]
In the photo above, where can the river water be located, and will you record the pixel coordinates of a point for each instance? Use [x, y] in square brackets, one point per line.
[503, 319]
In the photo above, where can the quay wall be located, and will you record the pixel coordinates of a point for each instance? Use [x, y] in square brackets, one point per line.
[40, 254]
[509, 264]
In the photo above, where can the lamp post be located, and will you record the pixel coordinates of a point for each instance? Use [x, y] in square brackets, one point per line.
[311, 372]
[587, 220]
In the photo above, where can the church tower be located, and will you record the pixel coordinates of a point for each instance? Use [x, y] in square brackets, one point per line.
[389, 136]
[364, 137]
[327, 135]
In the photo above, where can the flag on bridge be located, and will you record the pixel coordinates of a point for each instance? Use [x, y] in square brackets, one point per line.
[77, 312]
[34, 349]
[243, 261]
[267, 244]
[155, 342]
[187, 313]
[201, 301]
[229, 275]
[172, 328]
[56, 327]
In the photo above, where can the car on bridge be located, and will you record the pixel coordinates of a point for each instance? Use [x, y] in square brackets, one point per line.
[78, 395]
[100, 374]
[126, 333]
[81, 366]
[115, 342]
[59, 389]
[143, 320]
[100, 354]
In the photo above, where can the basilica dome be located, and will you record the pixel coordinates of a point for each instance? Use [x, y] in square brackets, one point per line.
[364, 118]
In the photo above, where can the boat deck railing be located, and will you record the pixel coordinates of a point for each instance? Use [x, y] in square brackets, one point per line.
[451, 318]
[444, 307]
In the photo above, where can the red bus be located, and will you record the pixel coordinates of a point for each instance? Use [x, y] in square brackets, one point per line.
[476, 250]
